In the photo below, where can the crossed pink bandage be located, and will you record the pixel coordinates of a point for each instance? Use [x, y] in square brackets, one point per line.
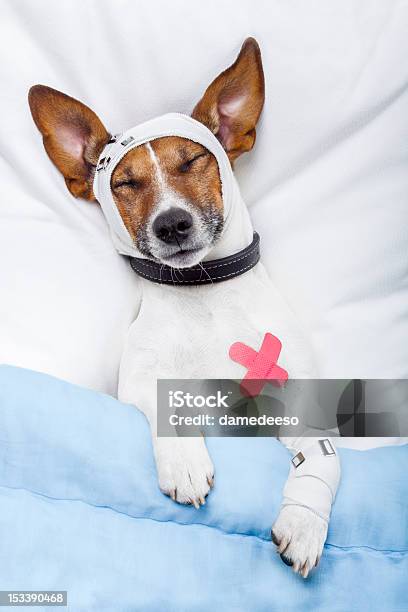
[261, 365]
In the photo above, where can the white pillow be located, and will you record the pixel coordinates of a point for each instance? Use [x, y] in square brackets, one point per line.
[327, 180]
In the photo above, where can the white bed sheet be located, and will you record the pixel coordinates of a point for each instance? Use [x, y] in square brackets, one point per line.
[327, 182]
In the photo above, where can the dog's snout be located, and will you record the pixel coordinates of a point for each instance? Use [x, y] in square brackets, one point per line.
[173, 226]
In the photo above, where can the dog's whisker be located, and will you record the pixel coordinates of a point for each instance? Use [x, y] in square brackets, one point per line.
[204, 270]
[177, 271]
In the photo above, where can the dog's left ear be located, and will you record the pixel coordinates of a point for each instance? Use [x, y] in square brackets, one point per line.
[73, 136]
[232, 104]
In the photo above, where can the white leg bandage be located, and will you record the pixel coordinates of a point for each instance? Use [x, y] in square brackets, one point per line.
[314, 475]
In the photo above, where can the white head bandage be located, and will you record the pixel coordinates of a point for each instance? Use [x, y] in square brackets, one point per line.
[172, 124]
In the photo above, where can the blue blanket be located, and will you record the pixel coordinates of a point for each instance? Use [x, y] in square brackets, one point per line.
[80, 511]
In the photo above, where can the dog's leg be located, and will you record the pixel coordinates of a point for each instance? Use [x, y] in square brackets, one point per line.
[185, 470]
[184, 467]
[301, 528]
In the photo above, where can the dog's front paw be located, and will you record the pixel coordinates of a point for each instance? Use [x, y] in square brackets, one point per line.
[299, 535]
[185, 470]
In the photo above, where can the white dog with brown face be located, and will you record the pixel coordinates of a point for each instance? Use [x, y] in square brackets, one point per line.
[170, 197]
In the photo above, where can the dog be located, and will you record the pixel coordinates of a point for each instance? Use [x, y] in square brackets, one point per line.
[169, 195]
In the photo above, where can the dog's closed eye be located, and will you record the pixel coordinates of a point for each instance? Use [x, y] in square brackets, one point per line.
[129, 184]
[187, 165]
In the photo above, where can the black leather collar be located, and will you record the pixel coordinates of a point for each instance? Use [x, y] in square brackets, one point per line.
[207, 272]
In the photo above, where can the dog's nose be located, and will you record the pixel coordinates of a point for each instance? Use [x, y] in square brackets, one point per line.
[173, 226]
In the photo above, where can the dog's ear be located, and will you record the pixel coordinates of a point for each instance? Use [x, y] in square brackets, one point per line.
[232, 104]
[73, 136]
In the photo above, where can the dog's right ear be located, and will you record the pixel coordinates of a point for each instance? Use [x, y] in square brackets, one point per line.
[232, 104]
[73, 137]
